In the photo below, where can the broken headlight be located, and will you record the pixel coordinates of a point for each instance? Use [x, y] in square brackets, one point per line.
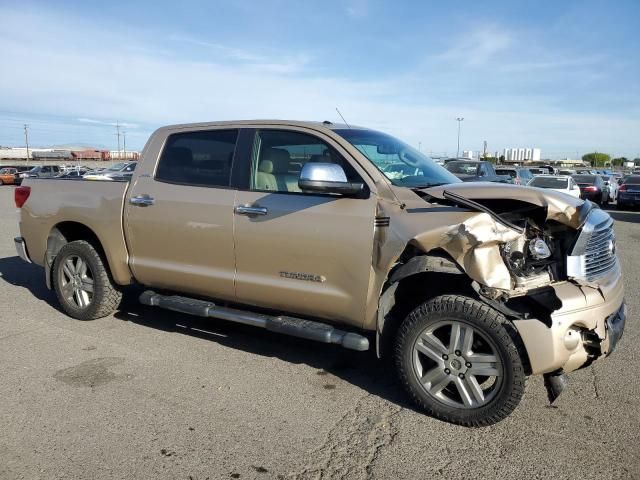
[539, 249]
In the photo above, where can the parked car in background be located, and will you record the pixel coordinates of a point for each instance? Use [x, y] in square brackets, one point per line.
[518, 175]
[8, 175]
[612, 186]
[475, 171]
[592, 187]
[73, 174]
[586, 171]
[537, 171]
[559, 183]
[18, 175]
[42, 171]
[629, 192]
[118, 172]
[566, 171]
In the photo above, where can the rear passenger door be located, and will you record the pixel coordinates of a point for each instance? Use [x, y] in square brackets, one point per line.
[179, 218]
[303, 253]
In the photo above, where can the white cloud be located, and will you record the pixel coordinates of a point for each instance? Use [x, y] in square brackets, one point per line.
[111, 124]
[357, 8]
[114, 75]
[479, 46]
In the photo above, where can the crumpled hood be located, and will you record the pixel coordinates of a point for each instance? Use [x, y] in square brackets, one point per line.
[560, 207]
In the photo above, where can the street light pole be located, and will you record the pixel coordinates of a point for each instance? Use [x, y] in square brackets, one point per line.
[459, 120]
[26, 140]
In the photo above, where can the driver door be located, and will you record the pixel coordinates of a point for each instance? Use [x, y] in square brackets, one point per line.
[304, 253]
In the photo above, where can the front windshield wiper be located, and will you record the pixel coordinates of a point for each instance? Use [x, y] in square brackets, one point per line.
[428, 185]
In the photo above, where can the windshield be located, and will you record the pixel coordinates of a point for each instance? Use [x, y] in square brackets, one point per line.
[503, 171]
[402, 164]
[549, 182]
[464, 168]
[117, 167]
[585, 178]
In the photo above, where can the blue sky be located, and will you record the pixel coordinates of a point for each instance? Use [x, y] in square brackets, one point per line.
[562, 76]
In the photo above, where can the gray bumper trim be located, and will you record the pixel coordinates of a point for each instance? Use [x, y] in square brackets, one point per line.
[615, 327]
[21, 248]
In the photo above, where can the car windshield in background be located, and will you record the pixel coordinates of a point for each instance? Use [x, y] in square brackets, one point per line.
[402, 164]
[632, 180]
[511, 173]
[585, 178]
[117, 167]
[464, 168]
[548, 182]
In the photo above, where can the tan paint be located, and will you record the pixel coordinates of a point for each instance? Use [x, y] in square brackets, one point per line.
[581, 307]
[97, 205]
[185, 239]
[195, 244]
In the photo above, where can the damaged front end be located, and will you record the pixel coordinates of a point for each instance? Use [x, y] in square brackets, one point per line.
[545, 260]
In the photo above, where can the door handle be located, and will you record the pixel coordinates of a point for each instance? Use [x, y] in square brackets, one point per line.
[141, 201]
[249, 210]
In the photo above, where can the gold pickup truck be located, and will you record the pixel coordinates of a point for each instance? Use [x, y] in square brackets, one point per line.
[349, 236]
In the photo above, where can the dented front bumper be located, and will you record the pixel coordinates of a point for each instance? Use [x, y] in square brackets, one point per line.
[585, 328]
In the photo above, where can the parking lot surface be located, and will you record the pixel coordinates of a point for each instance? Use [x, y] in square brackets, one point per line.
[152, 394]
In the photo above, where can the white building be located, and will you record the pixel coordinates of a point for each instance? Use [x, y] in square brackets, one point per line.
[522, 154]
[467, 154]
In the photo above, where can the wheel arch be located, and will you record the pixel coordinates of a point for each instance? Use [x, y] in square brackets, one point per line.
[417, 276]
[66, 232]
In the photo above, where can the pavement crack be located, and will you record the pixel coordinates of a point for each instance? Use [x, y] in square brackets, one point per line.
[595, 382]
[354, 443]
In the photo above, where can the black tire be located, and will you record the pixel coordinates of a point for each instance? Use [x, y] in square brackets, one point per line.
[105, 297]
[487, 325]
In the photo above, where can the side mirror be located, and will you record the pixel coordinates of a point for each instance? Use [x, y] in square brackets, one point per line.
[327, 178]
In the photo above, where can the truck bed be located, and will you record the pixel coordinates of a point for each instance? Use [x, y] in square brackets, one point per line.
[96, 204]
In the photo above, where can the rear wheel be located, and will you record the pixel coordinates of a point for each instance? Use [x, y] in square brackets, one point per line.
[458, 360]
[82, 283]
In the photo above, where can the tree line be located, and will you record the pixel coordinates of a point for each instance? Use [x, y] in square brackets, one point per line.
[598, 159]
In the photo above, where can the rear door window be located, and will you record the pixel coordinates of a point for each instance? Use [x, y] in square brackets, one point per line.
[202, 158]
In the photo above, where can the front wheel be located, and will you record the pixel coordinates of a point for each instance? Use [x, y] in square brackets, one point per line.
[82, 283]
[458, 360]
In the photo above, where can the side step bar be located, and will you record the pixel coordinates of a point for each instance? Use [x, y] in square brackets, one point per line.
[296, 327]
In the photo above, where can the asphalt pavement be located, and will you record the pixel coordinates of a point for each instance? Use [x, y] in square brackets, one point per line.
[147, 393]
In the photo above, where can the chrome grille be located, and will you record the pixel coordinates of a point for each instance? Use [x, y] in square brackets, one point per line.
[594, 254]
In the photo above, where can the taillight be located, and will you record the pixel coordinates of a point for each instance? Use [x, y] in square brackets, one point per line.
[21, 195]
[623, 188]
[591, 189]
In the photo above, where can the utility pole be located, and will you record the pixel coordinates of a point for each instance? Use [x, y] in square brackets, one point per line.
[484, 154]
[459, 120]
[118, 134]
[124, 139]
[26, 139]
[419, 146]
